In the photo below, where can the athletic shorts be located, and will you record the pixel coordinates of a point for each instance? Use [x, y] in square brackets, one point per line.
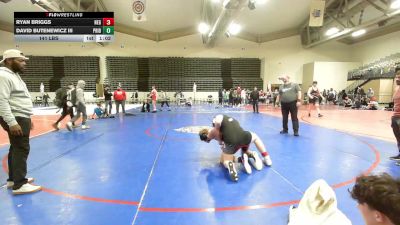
[313, 100]
[232, 149]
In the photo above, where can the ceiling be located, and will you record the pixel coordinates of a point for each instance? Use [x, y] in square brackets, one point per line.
[168, 19]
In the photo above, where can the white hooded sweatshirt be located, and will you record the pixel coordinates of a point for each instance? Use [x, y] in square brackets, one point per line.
[318, 207]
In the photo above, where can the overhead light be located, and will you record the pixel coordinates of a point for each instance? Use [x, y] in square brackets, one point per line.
[331, 31]
[234, 28]
[395, 4]
[358, 33]
[225, 3]
[203, 28]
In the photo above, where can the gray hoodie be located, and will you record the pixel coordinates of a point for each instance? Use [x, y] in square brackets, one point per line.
[15, 100]
[80, 96]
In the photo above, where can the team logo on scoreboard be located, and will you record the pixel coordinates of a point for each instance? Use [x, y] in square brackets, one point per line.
[138, 7]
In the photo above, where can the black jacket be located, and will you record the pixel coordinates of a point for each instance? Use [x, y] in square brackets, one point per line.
[255, 95]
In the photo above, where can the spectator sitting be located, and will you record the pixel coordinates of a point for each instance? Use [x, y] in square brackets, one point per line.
[357, 104]
[373, 104]
[364, 101]
[98, 112]
[46, 98]
[210, 99]
[189, 102]
[145, 106]
[347, 102]
[331, 96]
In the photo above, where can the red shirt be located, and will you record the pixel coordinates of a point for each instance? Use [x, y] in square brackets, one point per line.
[119, 95]
[153, 94]
[396, 101]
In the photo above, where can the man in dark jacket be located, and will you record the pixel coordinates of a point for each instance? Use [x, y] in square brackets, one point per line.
[107, 98]
[255, 96]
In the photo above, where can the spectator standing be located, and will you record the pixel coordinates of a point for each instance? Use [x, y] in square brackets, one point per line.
[290, 99]
[15, 118]
[255, 96]
[153, 95]
[108, 99]
[120, 98]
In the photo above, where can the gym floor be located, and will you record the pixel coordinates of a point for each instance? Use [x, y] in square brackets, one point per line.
[139, 169]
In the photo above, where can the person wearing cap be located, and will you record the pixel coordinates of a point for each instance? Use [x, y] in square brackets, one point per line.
[290, 98]
[15, 117]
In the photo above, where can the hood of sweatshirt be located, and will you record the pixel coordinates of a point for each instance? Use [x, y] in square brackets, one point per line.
[81, 84]
[318, 206]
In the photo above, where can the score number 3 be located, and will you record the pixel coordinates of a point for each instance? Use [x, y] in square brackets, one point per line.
[108, 21]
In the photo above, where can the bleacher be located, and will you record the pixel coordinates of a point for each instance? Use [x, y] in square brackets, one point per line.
[381, 69]
[179, 74]
[55, 72]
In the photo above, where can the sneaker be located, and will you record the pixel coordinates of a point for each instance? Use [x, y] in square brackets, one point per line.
[296, 133]
[267, 160]
[232, 172]
[245, 162]
[10, 184]
[320, 115]
[256, 162]
[85, 127]
[74, 126]
[56, 126]
[26, 189]
[395, 158]
[397, 163]
[283, 132]
[69, 126]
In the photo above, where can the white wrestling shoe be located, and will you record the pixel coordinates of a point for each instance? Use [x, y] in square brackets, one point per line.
[85, 127]
[69, 126]
[245, 163]
[256, 162]
[267, 160]
[232, 171]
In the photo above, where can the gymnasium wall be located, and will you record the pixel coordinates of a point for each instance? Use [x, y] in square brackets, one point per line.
[284, 56]
[374, 49]
[308, 76]
[333, 74]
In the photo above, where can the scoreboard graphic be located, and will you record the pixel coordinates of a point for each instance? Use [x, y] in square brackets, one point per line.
[64, 26]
